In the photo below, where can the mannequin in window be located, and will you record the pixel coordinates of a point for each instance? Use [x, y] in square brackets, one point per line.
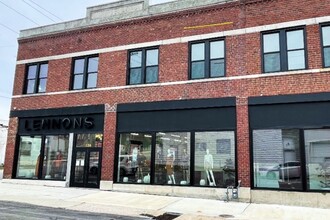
[134, 156]
[170, 157]
[208, 167]
[141, 160]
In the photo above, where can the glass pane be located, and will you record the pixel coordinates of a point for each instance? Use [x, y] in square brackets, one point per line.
[79, 167]
[198, 70]
[92, 80]
[30, 86]
[217, 68]
[28, 157]
[215, 159]
[326, 35]
[197, 52]
[271, 42]
[88, 140]
[43, 71]
[152, 74]
[152, 57]
[78, 82]
[296, 60]
[93, 171]
[217, 49]
[327, 57]
[55, 157]
[79, 66]
[134, 158]
[32, 72]
[272, 62]
[136, 59]
[317, 149]
[42, 85]
[276, 156]
[172, 162]
[135, 76]
[295, 39]
[93, 64]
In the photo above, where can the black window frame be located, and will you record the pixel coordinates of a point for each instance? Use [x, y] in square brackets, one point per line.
[85, 72]
[37, 78]
[143, 65]
[283, 48]
[322, 44]
[207, 58]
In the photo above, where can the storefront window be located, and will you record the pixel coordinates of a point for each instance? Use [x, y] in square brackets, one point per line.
[276, 157]
[134, 158]
[317, 150]
[29, 157]
[172, 161]
[56, 156]
[89, 140]
[215, 159]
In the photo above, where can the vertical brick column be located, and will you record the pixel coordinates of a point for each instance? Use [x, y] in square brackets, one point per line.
[243, 149]
[10, 148]
[109, 137]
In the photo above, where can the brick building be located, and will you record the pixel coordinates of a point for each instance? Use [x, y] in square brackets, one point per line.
[182, 98]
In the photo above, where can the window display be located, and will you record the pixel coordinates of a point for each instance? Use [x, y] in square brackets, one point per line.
[215, 159]
[56, 156]
[134, 158]
[172, 164]
[29, 157]
[276, 155]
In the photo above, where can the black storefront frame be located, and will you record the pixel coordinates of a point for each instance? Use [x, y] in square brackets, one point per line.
[175, 105]
[282, 100]
[96, 111]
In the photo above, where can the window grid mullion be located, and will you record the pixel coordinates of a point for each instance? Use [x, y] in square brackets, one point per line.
[283, 51]
[143, 67]
[207, 59]
[85, 74]
[37, 79]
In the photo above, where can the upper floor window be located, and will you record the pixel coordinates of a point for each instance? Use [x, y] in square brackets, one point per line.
[326, 45]
[85, 72]
[284, 50]
[207, 59]
[36, 78]
[143, 66]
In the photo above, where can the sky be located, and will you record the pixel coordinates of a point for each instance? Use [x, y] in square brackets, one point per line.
[16, 15]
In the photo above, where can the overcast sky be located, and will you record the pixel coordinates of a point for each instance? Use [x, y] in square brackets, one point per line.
[16, 15]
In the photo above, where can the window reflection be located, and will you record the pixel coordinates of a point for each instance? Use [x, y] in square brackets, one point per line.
[172, 158]
[134, 158]
[215, 159]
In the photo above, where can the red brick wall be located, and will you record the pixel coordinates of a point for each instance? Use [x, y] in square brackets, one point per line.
[10, 148]
[243, 57]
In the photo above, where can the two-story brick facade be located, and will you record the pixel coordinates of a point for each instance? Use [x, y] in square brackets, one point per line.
[183, 98]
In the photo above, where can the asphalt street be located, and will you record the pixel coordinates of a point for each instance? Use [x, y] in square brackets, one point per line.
[14, 210]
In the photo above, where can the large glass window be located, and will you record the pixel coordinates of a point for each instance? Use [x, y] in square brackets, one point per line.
[134, 158]
[89, 140]
[326, 45]
[43, 157]
[284, 50]
[207, 59]
[172, 162]
[85, 72]
[215, 159]
[317, 151]
[143, 66]
[276, 159]
[55, 157]
[29, 157]
[36, 78]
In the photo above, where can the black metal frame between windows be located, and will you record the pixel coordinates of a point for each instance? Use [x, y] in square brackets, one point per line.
[143, 65]
[322, 43]
[37, 78]
[207, 58]
[283, 48]
[85, 72]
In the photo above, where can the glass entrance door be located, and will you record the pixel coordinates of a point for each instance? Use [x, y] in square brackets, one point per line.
[86, 167]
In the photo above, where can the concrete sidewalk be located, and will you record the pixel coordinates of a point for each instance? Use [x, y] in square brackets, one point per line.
[132, 204]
